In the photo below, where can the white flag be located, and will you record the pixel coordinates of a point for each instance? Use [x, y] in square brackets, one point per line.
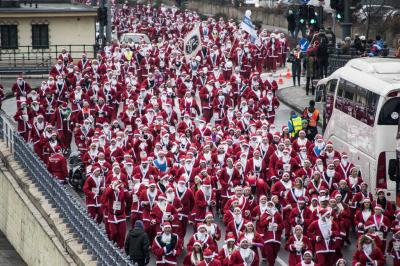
[192, 43]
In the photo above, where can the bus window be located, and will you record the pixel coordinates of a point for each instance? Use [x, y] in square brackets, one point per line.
[390, 112]
[330, 97]
[350, 92]
[360, 104]
[339, 104]
[372, 104]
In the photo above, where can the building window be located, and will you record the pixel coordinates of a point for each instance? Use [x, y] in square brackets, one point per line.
[40, 36]
[9, 38]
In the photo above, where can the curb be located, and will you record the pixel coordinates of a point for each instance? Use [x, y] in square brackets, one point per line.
[291, 105]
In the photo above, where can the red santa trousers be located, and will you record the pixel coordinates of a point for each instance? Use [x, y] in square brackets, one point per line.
[270, 251]
[118, 233]
[326, 258]
[96, 213]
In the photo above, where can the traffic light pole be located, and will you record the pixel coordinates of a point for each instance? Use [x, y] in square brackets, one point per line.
[108, 26]
[101, 26]
[346, 24]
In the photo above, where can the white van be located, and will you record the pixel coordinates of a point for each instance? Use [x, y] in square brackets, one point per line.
[361, 116]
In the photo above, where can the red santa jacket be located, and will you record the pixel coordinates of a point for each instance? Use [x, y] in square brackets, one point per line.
[166, 253]
[92, 189]
[237, 259]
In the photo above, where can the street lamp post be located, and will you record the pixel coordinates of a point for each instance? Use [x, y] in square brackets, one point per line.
[346, 24]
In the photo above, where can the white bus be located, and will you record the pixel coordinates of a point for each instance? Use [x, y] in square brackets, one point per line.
[361, 116]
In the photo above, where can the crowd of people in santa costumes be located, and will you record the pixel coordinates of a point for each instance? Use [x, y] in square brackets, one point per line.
[178, 143]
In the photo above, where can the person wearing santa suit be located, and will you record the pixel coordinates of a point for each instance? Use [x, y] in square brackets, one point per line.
[237, 223]
[308, 260]
[323, 232]
[272, 224]
[102, 112]
[166, 246]
[204, 201]
[91, 156]
[185, 195]
[49, 145]
[170, 116]
[129, 116]
[113, 152]
[229, 178]
[38, 127]
[359, 197]
[256, 166]
[344, 165]
[23, 121]
[58, 69]
[300, 215]
[272, 56]
[209, 259]
[163, 211]
[244, 255]
[283, 49]
[316, 184]
[381, 223]
[269, 104]
[82, 135]
[367, 253]
[220, 105]
[146, 171]
[21, 89]
[57, 165]
[147, 201]
[227, 249]
[65, 57]
[394, 248]
[396, 222]
[301, 142]
[83, 63]
[203, 237]
[362, 215]
[194, 257]
[244, 203]
[296, 245]
[114, 199]
[64, 125]
[255, 238]
[93, 189]
[60, 90]
[388, 208]
[212, 227]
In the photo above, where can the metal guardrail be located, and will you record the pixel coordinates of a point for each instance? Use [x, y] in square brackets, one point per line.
[336, 61]
[30, 57]
[70, 210]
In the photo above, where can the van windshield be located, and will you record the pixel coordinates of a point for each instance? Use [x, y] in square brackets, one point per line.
[390, 112]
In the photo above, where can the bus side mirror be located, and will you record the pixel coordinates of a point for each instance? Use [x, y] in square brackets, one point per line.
[392, 171]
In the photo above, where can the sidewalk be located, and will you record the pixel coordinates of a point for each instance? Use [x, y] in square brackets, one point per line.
[295, 98]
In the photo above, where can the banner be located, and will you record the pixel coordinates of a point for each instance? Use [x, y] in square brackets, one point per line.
[192, 43]
[247, 26]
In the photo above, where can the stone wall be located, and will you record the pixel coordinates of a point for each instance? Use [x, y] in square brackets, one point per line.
[25, 228]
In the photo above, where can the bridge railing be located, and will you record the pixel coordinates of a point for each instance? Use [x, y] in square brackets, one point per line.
[66, 205]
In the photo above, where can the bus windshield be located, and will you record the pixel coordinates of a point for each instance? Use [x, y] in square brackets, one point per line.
[390, 112]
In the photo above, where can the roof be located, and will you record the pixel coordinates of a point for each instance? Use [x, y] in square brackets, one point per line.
[49, 8]
[380, 75]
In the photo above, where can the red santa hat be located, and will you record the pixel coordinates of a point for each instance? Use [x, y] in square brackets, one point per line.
[378, 206]
[58, 148]
[325, 212]
[329, 143]
[207, 182]
[201, 225]
[249, 223]
[369, 224]
[151, 183]
[209, 214]
[301, 200]
[208, 254]
[96, 167]
[308, 252]
[366, 200]
[198, 243]
[162, 196]
[242, 239]
[166, 224]
[230, 237]
[379, 190]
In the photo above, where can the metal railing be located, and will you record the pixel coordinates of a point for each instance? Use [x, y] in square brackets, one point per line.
[28, 56]
[66, 205]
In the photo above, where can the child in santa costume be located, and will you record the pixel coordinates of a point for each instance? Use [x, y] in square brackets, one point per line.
[367, 253]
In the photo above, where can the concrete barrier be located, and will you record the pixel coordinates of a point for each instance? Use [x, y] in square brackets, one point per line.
[33, 228]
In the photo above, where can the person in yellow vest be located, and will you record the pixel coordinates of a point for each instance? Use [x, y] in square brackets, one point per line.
[312, 115]
[294, 124]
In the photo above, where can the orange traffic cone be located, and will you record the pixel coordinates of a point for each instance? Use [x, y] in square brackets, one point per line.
[288, 74]
[280, 80]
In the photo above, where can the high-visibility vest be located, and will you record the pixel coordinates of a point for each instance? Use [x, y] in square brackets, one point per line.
[297, 125]
[312, 117]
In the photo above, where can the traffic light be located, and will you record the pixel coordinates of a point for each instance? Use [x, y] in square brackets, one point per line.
[102, 15]
[312, 18]
[338, 5]
[303, 14]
